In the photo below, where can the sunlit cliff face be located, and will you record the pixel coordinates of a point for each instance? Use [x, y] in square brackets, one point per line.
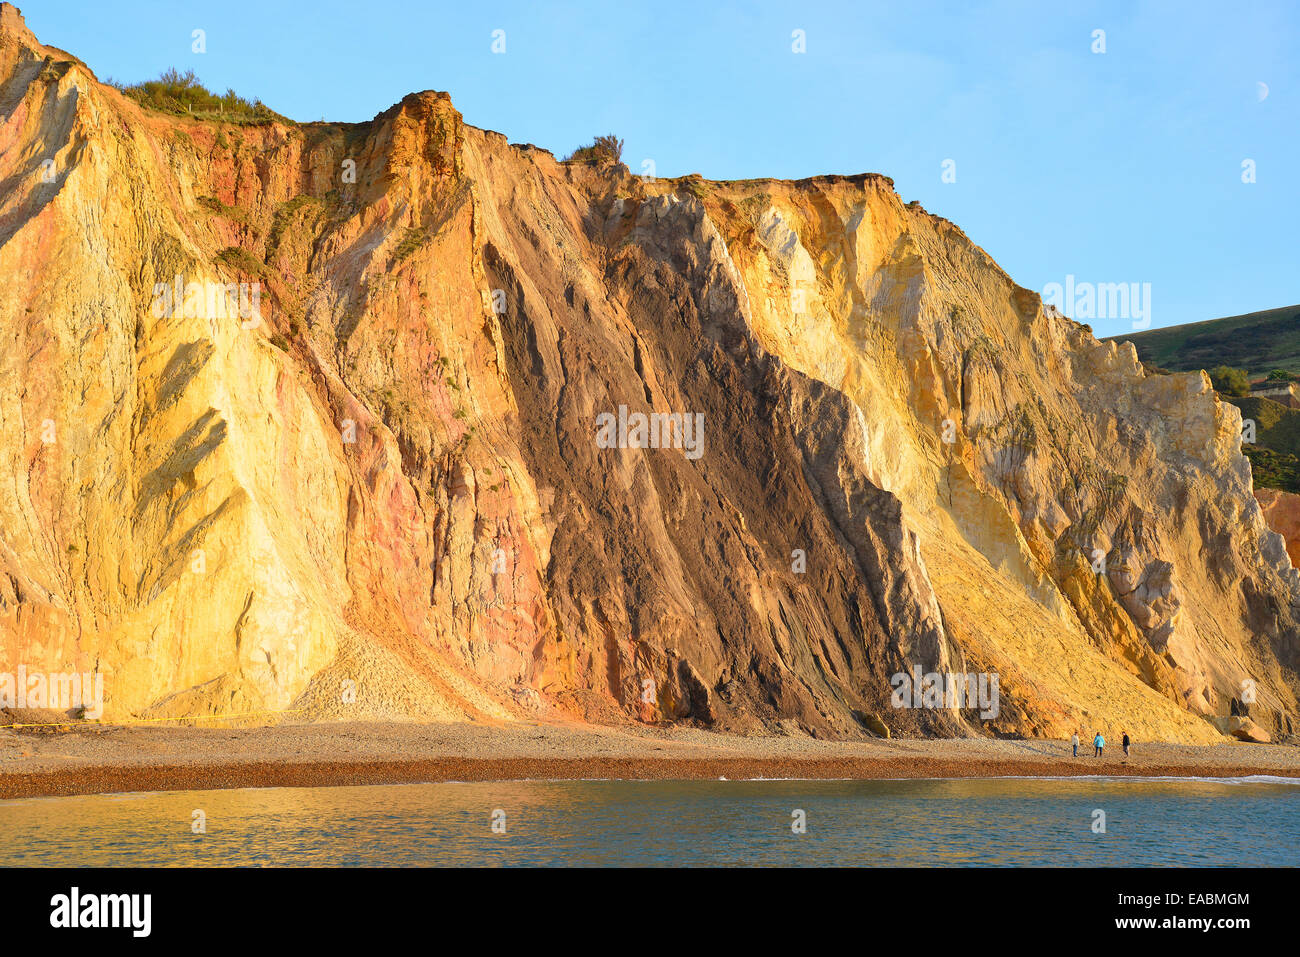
[397, 419]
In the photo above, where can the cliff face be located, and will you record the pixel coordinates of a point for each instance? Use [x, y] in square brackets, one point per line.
[386, 488]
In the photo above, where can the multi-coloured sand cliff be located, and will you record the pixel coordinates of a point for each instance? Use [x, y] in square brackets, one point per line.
[307, 417]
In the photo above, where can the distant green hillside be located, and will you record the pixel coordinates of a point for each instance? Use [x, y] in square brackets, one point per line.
[1275, 456]
[1257, 342]
[1276, 426]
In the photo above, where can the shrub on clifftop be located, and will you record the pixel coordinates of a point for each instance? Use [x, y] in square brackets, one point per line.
[176, 92]
[1230, 381]
[602, 148]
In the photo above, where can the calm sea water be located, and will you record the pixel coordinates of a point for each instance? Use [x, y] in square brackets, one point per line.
[1002, 821]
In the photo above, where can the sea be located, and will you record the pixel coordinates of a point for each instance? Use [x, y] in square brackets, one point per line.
[800, 823]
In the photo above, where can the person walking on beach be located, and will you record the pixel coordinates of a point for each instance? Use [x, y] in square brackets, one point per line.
[1098, 742]
[1075, 741]
[1125, 743]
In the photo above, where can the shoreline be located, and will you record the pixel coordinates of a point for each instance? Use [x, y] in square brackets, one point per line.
[126, 759]
[153, 778]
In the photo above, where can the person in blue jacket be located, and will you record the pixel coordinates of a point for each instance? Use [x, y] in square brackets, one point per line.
[1098, 742]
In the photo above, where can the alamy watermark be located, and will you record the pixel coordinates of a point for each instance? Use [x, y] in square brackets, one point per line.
[76, 909]
[60, 691]
[658, 430]
[1102, 300]
[945, 690]
[209, 300]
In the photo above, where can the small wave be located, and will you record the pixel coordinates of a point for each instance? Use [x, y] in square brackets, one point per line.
[1121, 778]
[1253, 779]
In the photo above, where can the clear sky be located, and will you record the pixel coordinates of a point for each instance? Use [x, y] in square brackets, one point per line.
[1122, 166]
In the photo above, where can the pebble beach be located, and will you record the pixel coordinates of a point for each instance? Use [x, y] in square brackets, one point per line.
[94, 759]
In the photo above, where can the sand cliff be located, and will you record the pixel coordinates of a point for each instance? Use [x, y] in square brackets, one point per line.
[379, 493]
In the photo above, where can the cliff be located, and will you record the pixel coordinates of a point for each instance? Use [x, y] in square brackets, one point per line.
[368, 478]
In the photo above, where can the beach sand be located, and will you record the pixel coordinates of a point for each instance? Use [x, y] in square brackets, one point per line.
[93, 759]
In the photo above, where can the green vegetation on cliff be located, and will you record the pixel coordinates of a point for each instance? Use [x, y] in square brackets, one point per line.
[603, 148]
[1275, 455]
[176, 92]
[1228, 381]
[1235, 351]
[1270, 469]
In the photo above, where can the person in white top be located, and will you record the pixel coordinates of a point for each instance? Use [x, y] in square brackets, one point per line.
[1075, 741]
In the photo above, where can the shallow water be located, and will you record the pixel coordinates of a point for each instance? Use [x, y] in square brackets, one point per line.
[999, 821]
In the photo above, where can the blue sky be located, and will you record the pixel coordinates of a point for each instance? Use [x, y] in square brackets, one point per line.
[1122, 166]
